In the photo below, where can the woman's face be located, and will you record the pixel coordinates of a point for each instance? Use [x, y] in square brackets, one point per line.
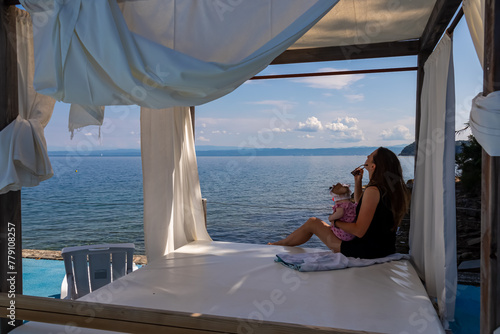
[369, 164]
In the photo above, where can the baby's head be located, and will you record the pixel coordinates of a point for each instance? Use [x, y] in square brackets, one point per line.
[340, 191]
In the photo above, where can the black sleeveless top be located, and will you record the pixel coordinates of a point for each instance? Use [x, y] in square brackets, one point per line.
[380, 238]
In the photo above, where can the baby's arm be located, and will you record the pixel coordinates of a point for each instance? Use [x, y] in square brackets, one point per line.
[337, 214]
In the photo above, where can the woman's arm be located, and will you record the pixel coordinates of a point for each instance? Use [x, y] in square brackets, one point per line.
[337, 214]
[358, 186]
[371, 197]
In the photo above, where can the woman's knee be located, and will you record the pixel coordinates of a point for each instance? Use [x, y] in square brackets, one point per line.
[314, 223]
[313, 220]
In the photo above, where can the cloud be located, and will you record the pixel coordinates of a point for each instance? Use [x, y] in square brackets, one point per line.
[202, 139]
[355, 97]
[276, 103]
[399, 132]
[345, 129]
[307, 136]
[276, 130]
[330, 82]
[312, 124]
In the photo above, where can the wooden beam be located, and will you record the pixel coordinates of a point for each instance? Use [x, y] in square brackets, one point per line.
[322, 74]
[490, 183]
[456, 21]
[422, 57]
[440, 18]
[345, 52]
[192, 111]
[144, 320]
[10, 203]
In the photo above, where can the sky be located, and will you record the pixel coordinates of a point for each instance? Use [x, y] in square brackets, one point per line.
[313, 112]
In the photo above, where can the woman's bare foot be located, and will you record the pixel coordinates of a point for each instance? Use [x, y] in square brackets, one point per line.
[281, 242]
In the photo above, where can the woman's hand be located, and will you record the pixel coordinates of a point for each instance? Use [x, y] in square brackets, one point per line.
[358, 186]
[359, 175]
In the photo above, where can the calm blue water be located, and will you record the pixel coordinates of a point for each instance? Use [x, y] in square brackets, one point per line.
[250, 199]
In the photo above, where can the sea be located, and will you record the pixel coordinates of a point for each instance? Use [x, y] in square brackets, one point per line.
[250, 199]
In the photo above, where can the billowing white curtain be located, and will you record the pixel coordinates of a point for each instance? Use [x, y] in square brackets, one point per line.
[162, 54]
[474, 15]
[23, 151]
[485, 113]
[173, 211]
[433, 217]
[485, 122]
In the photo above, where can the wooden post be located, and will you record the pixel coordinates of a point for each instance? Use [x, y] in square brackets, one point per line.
[422, 57]
[191, 110]
[10, 203]
[490, 185]
[204, 203]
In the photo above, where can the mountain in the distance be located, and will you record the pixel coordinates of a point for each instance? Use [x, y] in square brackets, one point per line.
[362, 150]
[410, 149]
[208, 150]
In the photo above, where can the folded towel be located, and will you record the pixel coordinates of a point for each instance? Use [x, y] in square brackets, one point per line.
[320, 261]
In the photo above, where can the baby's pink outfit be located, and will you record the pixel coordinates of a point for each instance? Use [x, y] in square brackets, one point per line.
[348, 217]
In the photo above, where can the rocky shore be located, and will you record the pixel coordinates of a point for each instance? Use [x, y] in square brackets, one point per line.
[468, 236]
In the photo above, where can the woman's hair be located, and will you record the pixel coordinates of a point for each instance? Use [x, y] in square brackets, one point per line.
[388, 177]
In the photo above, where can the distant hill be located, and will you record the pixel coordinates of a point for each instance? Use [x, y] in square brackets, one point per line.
[362, 150]
[410, 149]
[221, 151]
[200, 148]
[97, 153]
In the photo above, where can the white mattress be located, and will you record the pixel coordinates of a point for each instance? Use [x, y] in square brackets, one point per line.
[242, 280]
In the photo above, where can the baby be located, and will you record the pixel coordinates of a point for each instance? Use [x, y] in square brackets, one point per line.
[343, 209]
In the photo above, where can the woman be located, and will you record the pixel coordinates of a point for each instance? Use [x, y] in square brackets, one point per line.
[379, 212]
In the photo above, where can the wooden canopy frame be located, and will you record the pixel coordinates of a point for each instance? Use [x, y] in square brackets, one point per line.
[113, 317]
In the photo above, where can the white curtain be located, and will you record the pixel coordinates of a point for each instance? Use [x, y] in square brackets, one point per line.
[160, 53]
[23, 151]
[485, 113]
[173, 211]
[474, 15]
[485, 122]
[433, 217]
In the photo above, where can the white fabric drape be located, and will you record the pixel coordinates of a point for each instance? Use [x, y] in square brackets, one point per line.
[485, 113]
[160, 53]
[485, 122]
[173, 211]
[433, 217]
[474, 15]
[82, 116]
[23, 151]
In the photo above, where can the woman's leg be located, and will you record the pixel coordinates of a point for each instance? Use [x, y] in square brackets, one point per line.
[312, 226]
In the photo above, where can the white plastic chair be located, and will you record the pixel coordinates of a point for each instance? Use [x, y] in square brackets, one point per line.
[90, 267]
